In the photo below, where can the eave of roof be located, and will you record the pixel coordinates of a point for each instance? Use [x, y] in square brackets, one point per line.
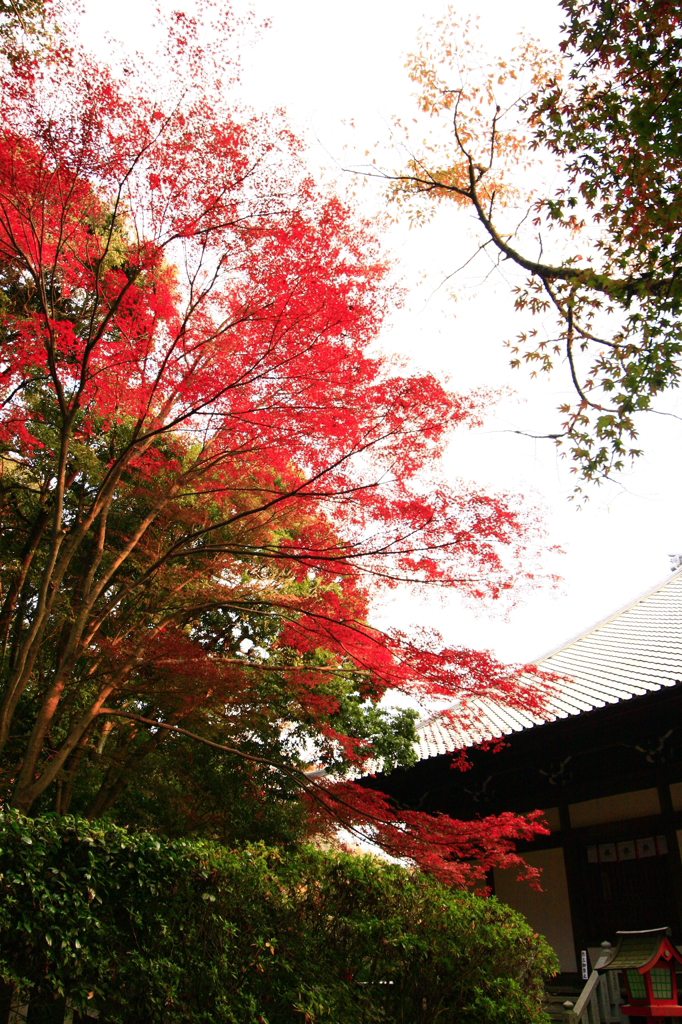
[634, 651]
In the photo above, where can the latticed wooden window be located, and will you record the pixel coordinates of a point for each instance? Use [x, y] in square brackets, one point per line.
[661, 983]
[636, 984]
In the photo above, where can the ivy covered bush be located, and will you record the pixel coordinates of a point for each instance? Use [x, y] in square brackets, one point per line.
[144, 930]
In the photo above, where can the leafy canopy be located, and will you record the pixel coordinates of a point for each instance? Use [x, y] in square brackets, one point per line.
[602, 250]
[206, 477]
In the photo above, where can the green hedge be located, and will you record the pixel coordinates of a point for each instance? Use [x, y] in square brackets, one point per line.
[163, 932]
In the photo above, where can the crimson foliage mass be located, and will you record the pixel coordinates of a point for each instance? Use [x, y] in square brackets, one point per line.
[205, 476]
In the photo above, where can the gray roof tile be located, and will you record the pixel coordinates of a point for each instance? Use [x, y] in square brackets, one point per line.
[634, 651]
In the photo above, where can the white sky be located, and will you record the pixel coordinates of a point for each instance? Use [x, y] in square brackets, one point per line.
[327, 63]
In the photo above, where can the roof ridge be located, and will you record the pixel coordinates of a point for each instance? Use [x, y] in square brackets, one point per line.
[676, 574]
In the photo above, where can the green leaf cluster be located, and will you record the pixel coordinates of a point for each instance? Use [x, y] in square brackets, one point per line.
[176, 931]
[601, 238]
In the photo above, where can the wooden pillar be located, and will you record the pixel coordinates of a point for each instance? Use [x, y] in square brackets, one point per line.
[674, 859]
[573, 854]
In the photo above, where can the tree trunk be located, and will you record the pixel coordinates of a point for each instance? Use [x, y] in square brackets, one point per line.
[116, 778]
[107, 795]
[65, 786]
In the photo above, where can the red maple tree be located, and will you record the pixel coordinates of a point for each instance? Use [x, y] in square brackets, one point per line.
[206, 477]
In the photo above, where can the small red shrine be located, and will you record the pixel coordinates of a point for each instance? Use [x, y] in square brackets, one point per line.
[647, 960]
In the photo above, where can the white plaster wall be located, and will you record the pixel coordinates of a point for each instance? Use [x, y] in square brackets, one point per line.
[551, 816]
[548, 911]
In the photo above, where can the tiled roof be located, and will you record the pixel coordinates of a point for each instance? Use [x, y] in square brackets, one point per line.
[633, 651]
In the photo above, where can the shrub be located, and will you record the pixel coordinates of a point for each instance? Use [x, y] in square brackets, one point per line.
[177, 931]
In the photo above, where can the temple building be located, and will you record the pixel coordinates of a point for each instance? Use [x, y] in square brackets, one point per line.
[606, 768]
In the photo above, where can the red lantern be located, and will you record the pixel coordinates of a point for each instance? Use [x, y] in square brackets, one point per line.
[647, 961]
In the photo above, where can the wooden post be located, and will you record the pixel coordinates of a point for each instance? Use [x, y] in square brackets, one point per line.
[6, 993]
[573, 854]
[674, 859]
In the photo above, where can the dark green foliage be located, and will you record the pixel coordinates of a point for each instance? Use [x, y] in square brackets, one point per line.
[183, 789]
[189, 932]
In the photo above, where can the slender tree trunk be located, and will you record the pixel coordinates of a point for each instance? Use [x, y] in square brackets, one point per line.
[116, 778]
[28, 788]
[81, 632]
[104, 735]
[108, 794]
[63, 546]
[112, 785]
[66, 785]
[17, 583]
[51, 578]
